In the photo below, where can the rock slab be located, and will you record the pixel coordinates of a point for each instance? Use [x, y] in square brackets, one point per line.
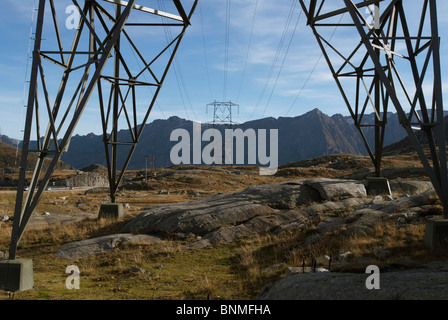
[428, 282]
[98, 245]
[207, 215]
[331, 189]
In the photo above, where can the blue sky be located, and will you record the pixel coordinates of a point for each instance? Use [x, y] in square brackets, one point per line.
[272, 68]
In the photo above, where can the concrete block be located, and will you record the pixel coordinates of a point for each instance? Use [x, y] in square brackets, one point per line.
[436, 233]
[111, 211]
[16, 275]
[378, 186]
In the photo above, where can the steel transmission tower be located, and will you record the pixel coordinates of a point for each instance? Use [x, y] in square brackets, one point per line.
[387, 54]
[119, 53]
[222, 119]
[222, 113]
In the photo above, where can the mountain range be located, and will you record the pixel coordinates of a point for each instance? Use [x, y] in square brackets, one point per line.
[302, 137]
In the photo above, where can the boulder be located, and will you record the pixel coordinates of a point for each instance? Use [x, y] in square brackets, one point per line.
[409, 208]
[206, 215]
[427, 282]
[197, 217]
[273, 208]
[87, 179]
[256, 225]
[98, 245]
[224, 218]
[410, 187]
[284, 195]
[331, 189]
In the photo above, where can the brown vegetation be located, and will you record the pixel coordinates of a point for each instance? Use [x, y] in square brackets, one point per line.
[162, 271]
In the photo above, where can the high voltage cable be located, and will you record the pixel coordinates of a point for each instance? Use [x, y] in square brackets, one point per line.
[205, 51]
[274, 62]
[26, 74]
[283, 62]
[167, 37]
[248, 51]
[146, 80]
[178, 71]
[226, 48]
[150, 90]
[312, 70]
[144, 77]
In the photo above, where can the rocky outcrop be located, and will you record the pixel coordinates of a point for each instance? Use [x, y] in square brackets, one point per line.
[390, 173]
[364, 218]
[330, 189]
[46, 220]
[428, 282]
[404, 210]
[87, 179]
[207, 215]
[280, 207]
[286, 220]
[98, 245]
[275, 208]
[410, 187]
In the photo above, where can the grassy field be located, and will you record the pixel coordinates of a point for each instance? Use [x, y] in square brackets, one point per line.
[233, 271]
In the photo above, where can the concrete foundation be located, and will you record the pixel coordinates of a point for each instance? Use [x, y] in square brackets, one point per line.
[111, 211]
[16, 275]
[436, 233]
[378, 186]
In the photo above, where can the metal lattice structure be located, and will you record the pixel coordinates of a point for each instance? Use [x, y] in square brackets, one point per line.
[223, 118]
[120, 53]
[381, 45]
[222, 113]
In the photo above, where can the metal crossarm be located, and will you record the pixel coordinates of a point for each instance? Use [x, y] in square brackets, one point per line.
[95, 65]
[388, 47]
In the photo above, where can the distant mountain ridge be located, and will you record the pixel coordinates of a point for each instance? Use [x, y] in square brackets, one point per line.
[302, 137]
[10, 141]
[10, 158]
[406, 144]
[394, 130]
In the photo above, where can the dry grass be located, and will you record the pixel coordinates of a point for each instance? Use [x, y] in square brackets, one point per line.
[233, 271]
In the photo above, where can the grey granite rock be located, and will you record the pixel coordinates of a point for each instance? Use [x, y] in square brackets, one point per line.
[428, 282]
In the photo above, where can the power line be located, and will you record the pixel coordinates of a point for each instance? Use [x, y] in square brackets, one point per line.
[205, 51]
[178, 70]
[226, 48]
[28, 57]
[283, 62]
[146, 80]
[312, 70]
[274, 62]
[248, 50]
